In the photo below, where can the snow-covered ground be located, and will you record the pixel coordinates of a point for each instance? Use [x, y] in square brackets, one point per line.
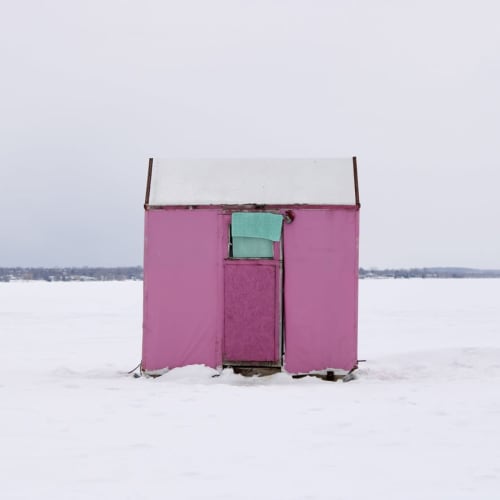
[422, 421]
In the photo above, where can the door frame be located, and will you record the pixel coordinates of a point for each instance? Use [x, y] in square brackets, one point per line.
[278, 263]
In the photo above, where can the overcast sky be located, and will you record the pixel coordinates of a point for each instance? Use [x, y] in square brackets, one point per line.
[89, 90]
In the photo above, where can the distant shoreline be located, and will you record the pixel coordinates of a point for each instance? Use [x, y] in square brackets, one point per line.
[71, 273]
[430, 272]
[135, 273]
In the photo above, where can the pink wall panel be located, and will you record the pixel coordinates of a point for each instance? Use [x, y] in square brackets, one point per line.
[182, 289]
[321, 280]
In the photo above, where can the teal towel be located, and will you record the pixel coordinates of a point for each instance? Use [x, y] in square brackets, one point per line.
[257, 225]
[252, 248]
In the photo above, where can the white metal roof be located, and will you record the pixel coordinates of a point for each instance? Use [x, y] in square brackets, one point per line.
[259, 181]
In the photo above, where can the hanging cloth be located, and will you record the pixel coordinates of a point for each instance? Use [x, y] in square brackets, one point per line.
[256, 225]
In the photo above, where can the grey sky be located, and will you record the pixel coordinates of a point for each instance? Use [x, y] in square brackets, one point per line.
[90, 89]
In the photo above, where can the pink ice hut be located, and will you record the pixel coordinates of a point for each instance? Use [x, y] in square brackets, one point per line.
[251, 263]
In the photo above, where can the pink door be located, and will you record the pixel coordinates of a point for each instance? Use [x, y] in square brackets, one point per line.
[252, 312]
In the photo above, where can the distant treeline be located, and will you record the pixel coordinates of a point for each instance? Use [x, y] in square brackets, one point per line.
[430, 272]
[71, 273]
[136, 273]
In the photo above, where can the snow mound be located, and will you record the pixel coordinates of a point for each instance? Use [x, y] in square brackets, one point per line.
[192, 374]
[201, 374]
